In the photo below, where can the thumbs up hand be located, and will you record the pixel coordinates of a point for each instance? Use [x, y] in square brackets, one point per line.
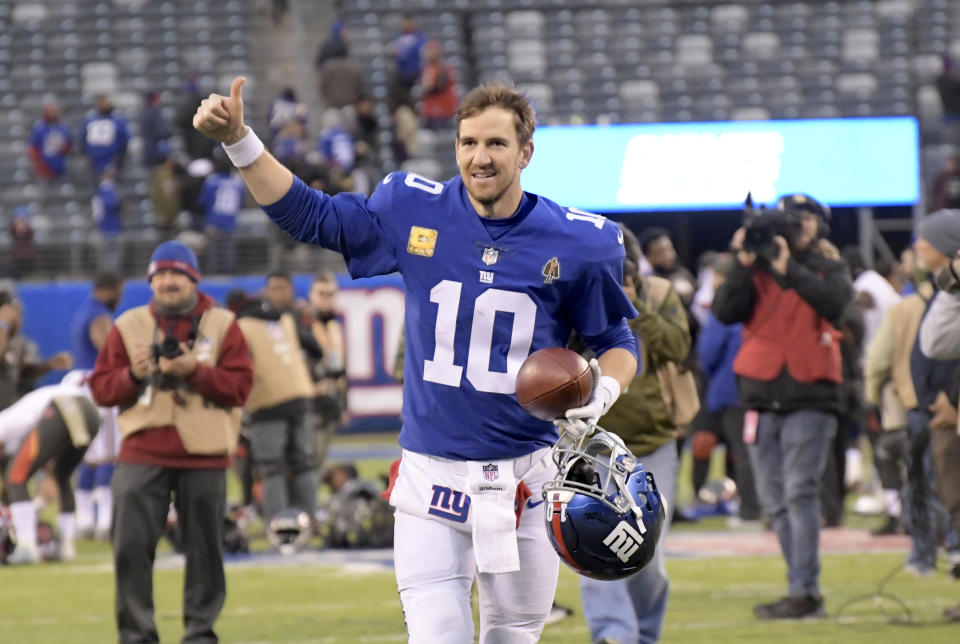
[221, 117]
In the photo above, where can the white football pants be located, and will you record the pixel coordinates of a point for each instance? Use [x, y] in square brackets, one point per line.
[435, 569]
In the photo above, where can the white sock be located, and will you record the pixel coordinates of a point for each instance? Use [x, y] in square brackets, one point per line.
[104, 500]
[24, 517]
[84, 512]
[67, 525]
[891, 499]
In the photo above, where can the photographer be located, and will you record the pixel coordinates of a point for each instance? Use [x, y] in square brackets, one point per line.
[180, 371]
[940, 340]
[789, 288]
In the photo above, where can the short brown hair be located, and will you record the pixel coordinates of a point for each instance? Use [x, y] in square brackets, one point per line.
[503, 96]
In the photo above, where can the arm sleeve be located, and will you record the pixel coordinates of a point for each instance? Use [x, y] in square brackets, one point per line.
[347, 223]
[733, 301]
[618, 336]
[879, 362]
[666, 331]
[828, 295]
[940, 329]
[599, 308]
[229, 382]
[111, 382]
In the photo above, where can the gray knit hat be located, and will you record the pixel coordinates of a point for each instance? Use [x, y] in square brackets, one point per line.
[941, 229]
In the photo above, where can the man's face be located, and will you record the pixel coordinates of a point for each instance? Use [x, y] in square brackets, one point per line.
[321, 296]
[928, 257]
[172, 289]
[809, 227]
[490, 158]
[661, 254]
[111, 297]
[279, 293]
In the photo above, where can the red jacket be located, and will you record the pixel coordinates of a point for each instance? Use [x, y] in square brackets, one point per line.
[228, 383]
[785, 331]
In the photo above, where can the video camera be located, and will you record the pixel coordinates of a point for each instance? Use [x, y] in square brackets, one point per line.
[168, 348]
[761, 225]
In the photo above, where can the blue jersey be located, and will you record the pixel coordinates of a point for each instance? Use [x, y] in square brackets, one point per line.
[84, 353]
[479, 300]
[106, 208]
[222, 197]
[51, 142]
[105, 139]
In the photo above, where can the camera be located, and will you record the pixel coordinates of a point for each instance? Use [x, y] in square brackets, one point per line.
[948, 278]
[168, 348]
[761, 226]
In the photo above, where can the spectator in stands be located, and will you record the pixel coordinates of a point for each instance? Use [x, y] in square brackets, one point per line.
[342, 82]
[366, 122]
[948, 85]
[438, 89]
[20, 363]
[165, 192]
[328, 371]
[284, 109]
[105, 137]
[717, 347]
[106, 213]
[196, 145]
[23, 252]
[159, 462]
[945, 191]
[191, 187]
[288, 145]
[408, 64]
[222, 198]
[154, 131]
[406, 128]
[336, 144]
[790, 305]
[50, 143]
[365, 175]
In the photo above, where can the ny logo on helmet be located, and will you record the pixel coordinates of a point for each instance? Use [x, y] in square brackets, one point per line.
[623, 541]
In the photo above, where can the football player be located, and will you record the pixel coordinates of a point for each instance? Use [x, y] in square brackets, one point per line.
[52, 424]
[492, 273]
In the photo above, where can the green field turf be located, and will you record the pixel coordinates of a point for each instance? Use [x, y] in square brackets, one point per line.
[711, 600]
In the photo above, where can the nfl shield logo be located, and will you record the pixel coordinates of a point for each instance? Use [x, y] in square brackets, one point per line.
[491, 472]
[490, 256]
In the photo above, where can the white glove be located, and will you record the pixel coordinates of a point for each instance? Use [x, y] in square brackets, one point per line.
[582, 420]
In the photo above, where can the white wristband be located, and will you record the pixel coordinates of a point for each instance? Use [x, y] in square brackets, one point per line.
[245, 151]
[612, 387]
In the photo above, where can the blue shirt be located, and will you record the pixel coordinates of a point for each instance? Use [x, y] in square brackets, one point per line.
[105, 139]
[717, 347]
[222, 197]
[52, 142]
[106, 208]
[84, 353]
[476, 306]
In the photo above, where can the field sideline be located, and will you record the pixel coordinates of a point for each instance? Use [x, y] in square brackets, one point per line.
[341, 597]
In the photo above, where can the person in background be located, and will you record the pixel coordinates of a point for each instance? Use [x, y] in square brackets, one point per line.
[154, 131]
[221, 198]
[790, 379]
[407, 59]
[284, 109]
[196, 145]
[89, 329]
[105, 137]
[341, 78]
[632, 610]
[107, 207]
[939, 339]
[717, 348]
[23, 251]
[438, 85]
[945, 190]
[50, 143]
[180, 371]
[657, 248]
[166, 192]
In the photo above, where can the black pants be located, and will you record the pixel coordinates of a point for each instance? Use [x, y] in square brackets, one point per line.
[50, 442]
[945, 448]
[141, 499]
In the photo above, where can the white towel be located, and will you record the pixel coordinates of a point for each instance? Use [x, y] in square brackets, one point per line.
[493, 487]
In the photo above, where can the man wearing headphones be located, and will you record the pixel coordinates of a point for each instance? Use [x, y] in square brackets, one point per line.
[790, 292]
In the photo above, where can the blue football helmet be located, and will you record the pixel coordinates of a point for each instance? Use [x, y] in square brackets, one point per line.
[603, 511]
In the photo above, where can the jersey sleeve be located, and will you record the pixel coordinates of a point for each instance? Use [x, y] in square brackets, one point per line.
[351, 224]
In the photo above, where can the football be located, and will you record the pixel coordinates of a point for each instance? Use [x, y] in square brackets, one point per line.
[553, 380]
